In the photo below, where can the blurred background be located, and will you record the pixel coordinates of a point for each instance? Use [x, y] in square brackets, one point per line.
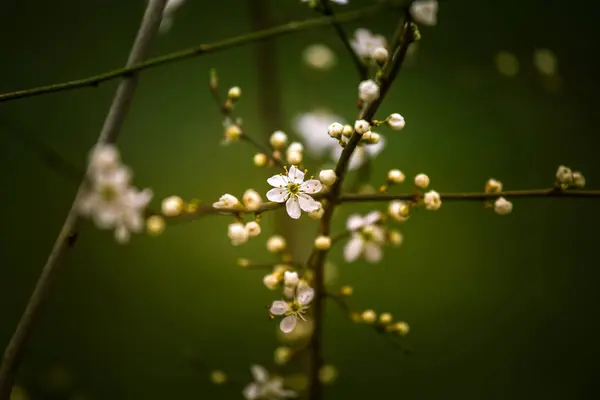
[499, 307]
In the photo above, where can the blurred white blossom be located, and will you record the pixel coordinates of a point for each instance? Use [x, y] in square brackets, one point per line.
[319, 56]
[366, 238]
[365, 43]
[361, 154]
[313, 127]
[266, 387]
[424, 12]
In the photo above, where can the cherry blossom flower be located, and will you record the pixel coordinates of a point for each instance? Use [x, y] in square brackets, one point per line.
[425, 12]
[291, 189]
[266, 387]
[293, 309]
[367, 238]
[365, 43]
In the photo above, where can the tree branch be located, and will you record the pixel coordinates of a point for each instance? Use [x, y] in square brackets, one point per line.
[291, 27]
[15, 350]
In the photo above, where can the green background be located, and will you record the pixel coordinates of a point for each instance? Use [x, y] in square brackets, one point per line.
[499, 307]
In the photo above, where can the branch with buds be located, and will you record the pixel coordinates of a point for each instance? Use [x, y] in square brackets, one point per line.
[108, 197]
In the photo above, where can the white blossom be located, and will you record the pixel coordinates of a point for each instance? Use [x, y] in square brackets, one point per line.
[424, 12]
[291, 189]
[380, 55]
[276, 244]
[172, 206]
[234, 92]
[564, 176]
[327, 177]
[396, 121]
[313, 127]
[361, 126]
[252, 200]
[368, 91]
[323, 242]
[319, 56]
[335, 130]
[578, 179]
[266, 387]
[366, 238]
[293, 309]
[290, 278]
[296, 146]
[361, 154]
[293, 157]
[103, 157]
[502, 206]
[395, 176]
[365, 43]
[227, 201]
[253, 228]
[493, 185]
[271, 281]
[432, 200]
[238, 233]
[422, 181]
[399, 210]
[278, 139]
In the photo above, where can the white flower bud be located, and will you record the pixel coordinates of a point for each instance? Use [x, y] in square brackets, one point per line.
[493, 186]
[502, 206]
[172, 206]
[318, 213]
[385, 318]
[252, 200]
[271, 281]
[290, 278]
[432, 200]
[226, 201]
[233, 133]
[372, 137]
[253, 228]
[421, 181]
[293, 157]
[348, 131]
[335, 130]
[237, 233]
[296, 146]
[361, 126]
[289, 291]
[323, 242]
[327, 176]
[402, 328]
[396, 121]
[395, 176]
[234, 93]
[380, 55]
[276, 244]
[368, 91]
[424, 12]
[368, 316]
[260, 159]
[564, 175]
[282, 355]
[578, 179]
[395, 238]
[278, 140]
[398, 210]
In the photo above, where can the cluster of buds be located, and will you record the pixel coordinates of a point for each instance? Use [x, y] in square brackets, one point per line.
[383, 323]
[569, 179]
[239, 232]
[501, 205]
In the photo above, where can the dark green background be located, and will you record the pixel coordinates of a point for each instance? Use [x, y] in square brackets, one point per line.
[499, 307]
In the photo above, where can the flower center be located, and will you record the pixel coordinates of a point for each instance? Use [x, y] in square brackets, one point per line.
[367, 233]
[297, 309]
[108, 193]
[293, 189]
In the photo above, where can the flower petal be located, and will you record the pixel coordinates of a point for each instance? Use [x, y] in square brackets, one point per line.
[278, 181]
[372, 217]
[293, 208]
[277, 195]
[279, 307]
[122, 234]
[354, 222]
[305, 295]
[251, 391]
[378, 235]
[295, 175]
[353, 249]
[307, 203]
[288, 324]
[373, 252]
[311, 186]
[259, 373]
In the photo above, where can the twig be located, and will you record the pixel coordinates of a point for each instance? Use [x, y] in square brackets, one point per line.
[112, 125]
[317, 258]
[225, 44]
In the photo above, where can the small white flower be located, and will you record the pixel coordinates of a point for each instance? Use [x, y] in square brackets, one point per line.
[425, 12]
[278, 140]
[253, 228]
[238, 233]
[395, 176]
[365, 43]
[104, 199]
[313, 127]
[132, 213]
[502, 206]
[366, 238]
[227, 201]
[265, 387]
[252, 200]
[292, 190]
[276, 244]
[293, 309]
[396, 121]
[493, 186]
[361, 126]
[319, 56]
[327, 176]
[335, 130]
[271, 281]
[368, 91]
[361, 154]
[432, 200]
[380, 55]
[422, 181]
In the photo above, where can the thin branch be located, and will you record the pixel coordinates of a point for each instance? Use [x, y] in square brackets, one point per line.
[15, 350]
[291, 27]
[361, 67]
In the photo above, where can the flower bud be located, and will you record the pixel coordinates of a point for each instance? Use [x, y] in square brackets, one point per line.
[323, 242]
[278, 140]
[396, 121]
[172, 206]
[253, 228]
[421, 181]
[327, 177]
[234, 93]
[276, 244]
[362, 126]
